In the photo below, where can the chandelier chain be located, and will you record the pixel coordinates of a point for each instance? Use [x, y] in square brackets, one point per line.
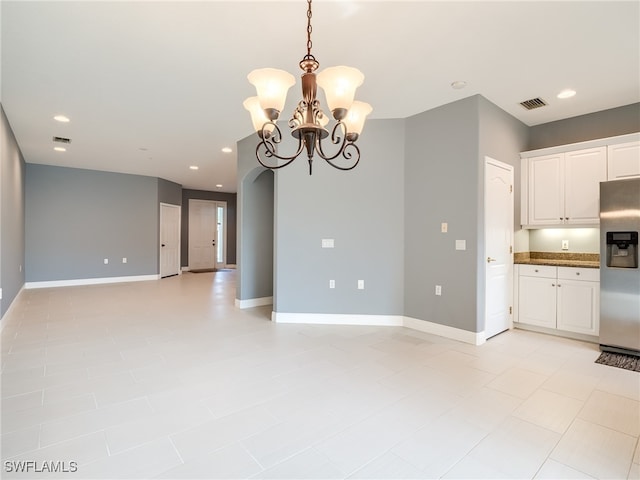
[309, 29]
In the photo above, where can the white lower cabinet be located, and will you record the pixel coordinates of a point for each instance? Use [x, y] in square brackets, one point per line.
[561, 298]
[537, 289]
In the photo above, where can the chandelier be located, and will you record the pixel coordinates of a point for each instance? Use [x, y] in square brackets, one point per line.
[308, 121]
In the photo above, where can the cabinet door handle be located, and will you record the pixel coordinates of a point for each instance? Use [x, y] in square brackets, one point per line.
[559, 285]
[553, 284]
[577, 273]
[489, 260]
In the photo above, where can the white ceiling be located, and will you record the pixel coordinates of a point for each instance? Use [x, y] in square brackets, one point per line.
[153, 87]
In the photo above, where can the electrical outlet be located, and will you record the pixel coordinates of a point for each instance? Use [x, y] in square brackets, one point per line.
[444, 227]
[106, 261]
[565, 244]
[360, 284]
[332, 284]
[124, 259]
[438, 289]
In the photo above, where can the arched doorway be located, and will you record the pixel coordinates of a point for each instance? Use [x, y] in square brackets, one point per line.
[255, 239]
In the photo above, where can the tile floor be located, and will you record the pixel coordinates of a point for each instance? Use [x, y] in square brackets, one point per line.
[167, 379]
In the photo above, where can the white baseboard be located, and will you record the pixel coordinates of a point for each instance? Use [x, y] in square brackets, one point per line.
[337, 319]
[445, 331]
[254, 302]
[90, 281]
[7, 315]
[381, 320]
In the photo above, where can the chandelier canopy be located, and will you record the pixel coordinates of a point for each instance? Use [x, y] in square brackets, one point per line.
[308, 121]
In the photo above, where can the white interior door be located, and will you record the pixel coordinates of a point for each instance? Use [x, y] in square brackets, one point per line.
[169, 240]
[202, 234]
[498, 241]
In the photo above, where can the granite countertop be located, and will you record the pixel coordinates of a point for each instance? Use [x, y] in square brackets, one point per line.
[584, 260]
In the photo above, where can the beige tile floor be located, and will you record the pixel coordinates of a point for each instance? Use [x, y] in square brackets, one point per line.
[167, 379]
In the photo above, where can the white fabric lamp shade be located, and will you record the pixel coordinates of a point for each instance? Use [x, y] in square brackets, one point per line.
[272, 86]
[258, 118]
[339, 85]
[356, 117]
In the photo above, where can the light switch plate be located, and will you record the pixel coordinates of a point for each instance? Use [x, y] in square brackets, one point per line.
[327, 243]
[444, 226]
[332, 284]
[565, 244]
[360, 284]
[461, 244]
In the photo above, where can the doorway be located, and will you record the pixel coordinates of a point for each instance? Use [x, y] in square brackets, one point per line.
[169, 240]
[498, 246]
[207, 233]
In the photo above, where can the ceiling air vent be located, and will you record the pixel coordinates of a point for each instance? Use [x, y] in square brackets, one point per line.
[533, 103]
[61, 140]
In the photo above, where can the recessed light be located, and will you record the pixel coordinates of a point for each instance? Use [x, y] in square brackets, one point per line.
[61, 118]
[567, 93]
[227, 150]
[219, 186]
[194, 167]
[458, 84]
[60, 149]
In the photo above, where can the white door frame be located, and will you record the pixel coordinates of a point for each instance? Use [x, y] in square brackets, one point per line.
[509, 281]
[223, 263]
[177, 270]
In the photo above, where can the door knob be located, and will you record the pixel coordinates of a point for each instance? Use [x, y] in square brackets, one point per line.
[489, 259]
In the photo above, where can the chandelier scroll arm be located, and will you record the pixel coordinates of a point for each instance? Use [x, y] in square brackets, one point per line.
[270, 152]
[346, 154]
[336, 139]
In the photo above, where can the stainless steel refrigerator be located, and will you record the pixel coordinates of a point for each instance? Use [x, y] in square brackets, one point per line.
[619, 272]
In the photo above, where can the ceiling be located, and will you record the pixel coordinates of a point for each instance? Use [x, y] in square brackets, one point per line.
[153, 87]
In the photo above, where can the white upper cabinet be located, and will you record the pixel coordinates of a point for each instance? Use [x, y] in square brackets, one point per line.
[623, 161]
[564, 188]
[583, 172]
[561, 185]
[546, 190]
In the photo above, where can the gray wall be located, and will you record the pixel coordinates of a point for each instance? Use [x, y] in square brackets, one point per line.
[12, 215]
[255, 239]
[362, 211]
[444, 182]
[441, 185]
[607, 123]
[169, 192]
[75, 218]
[231, 199]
